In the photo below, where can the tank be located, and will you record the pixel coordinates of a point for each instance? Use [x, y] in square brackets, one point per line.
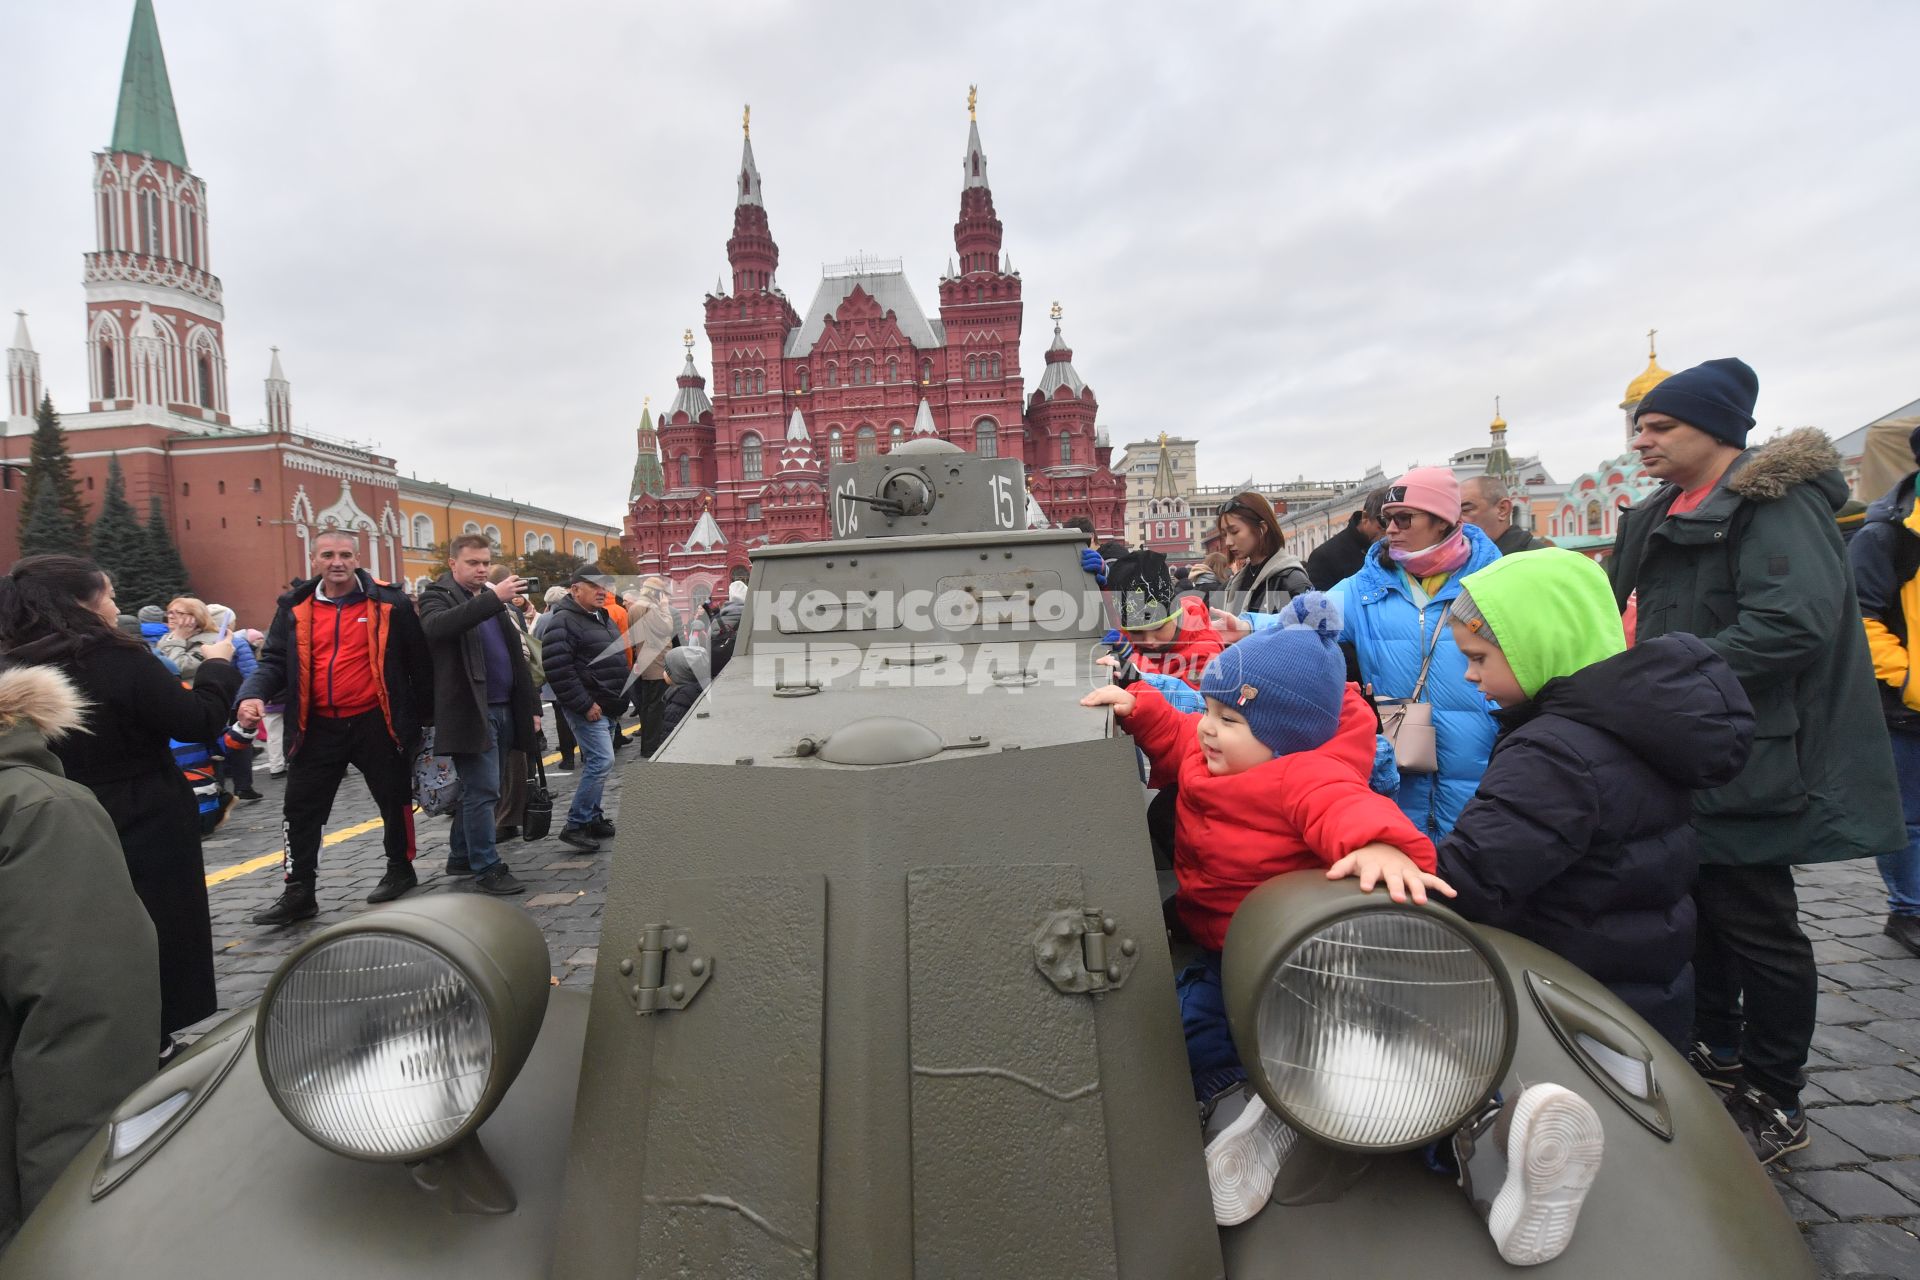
[884, 989]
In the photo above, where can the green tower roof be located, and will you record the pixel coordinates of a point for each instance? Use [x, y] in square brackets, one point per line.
[647, 476]
[146, 122]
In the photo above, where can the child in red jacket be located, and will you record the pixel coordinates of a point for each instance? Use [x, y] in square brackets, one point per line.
[1272, 778]
[1160, 632]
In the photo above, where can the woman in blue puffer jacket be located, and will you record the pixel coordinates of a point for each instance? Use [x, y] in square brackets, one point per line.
[1393, 609]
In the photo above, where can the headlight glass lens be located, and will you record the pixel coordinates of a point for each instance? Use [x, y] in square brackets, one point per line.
[1382, 1030]
[377, 1045]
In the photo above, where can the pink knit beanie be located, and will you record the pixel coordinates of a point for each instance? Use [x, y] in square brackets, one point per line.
[1430, 489]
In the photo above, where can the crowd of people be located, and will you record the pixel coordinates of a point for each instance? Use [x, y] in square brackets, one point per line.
[1621, 763]
[125, 739]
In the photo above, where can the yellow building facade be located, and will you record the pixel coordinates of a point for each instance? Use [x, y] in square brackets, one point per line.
[431, 513]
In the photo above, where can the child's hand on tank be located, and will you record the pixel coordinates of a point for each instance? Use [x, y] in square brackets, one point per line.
[1114, 696]
[1383, 864]
[1230, 627]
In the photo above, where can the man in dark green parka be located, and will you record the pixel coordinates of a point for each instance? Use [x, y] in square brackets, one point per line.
[1739, 547]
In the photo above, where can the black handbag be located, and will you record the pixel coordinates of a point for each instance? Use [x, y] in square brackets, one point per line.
[536, 820]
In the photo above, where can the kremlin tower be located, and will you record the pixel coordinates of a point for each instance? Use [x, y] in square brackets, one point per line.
[863, 370]
[154, 316]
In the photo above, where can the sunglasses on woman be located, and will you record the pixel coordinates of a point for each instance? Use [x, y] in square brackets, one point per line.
[1398, 519]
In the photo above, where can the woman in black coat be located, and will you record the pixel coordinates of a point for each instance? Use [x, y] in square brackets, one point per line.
[59, 611]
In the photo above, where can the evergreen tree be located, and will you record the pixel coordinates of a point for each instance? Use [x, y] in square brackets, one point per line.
[166, 574]
[64, 528]
[44, 528]
[120, 545]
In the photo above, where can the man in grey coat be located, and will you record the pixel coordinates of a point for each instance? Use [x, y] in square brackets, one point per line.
[485, 704]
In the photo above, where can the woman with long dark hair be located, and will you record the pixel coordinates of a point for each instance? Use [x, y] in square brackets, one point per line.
[58, 611]
[1271, 574]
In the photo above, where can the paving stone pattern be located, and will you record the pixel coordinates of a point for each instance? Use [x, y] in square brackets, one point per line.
[566, 888]
[1855, 1191]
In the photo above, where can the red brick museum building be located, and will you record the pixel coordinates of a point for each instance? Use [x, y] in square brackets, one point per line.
[723, 472]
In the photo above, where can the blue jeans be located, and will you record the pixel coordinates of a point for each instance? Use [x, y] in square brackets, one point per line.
[595, 738]
[1211, 1057]
[471, 839]
[1901, 870]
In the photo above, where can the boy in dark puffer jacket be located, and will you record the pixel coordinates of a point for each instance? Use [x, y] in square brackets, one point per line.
[1579, 837]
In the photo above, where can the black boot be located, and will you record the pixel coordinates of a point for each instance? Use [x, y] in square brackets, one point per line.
[398, 880]
[295, 903]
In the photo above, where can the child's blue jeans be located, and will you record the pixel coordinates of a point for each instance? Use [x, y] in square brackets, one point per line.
[1203, 1016]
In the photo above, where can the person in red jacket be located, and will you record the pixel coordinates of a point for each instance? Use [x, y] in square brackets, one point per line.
[1272, 778]
[1160, 632]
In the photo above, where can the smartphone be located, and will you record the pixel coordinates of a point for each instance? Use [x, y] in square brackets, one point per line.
[531, 589]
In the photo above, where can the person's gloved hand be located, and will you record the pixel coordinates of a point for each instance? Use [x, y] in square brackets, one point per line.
[1385, 778]
[1124, 671]
[1090, 561]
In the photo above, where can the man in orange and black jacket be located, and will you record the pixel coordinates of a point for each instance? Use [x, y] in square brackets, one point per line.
[348, 658]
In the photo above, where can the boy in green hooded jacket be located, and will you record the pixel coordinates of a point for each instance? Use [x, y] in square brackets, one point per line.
[1579, 837]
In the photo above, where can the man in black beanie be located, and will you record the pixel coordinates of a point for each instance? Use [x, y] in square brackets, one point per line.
[1739, 547]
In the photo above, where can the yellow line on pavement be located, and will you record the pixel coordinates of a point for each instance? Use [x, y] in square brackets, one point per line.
[275, 858]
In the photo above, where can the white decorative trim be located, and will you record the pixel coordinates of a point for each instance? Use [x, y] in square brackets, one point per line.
[299, 460]
[101, 294]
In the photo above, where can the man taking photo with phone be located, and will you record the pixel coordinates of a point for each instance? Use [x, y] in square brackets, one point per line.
[485, 704]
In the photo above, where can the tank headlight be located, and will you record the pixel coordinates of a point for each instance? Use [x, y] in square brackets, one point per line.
[392, 1036]
[1369, 1025]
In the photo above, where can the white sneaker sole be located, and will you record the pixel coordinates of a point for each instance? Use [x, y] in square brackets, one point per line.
[1242, 1161]
[1554, 1147]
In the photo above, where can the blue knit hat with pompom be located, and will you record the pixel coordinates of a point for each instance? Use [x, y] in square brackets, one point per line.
[1288, 682]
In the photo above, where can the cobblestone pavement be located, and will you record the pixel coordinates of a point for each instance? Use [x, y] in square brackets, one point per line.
[1855, 1191]
[565, 887]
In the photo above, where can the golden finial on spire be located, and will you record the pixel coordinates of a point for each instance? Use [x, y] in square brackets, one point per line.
[973, 101]
[686, 340]
[1056, 313]
[1651, 353]
[1498, 421]
[1163, 439]
[646, 402]
[746, 120]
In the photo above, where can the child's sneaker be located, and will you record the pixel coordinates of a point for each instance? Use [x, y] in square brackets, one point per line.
[1243, 1158]
[1554, 1144]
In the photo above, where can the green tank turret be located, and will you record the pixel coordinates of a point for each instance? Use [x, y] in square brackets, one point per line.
[884, 989]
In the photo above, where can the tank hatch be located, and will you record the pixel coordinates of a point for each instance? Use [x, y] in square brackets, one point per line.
[927, 486]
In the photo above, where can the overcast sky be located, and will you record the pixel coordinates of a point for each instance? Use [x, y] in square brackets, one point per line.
[1314, 236]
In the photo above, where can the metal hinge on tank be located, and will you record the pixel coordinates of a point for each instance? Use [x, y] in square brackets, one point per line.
[650, 987]
[1079, 950]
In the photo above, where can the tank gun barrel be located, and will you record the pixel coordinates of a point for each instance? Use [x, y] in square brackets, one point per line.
[880, 503]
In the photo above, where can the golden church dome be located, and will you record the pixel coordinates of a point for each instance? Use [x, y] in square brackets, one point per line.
[1652, 377]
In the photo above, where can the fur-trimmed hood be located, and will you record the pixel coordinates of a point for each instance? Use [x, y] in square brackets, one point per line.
[1766, 474]
[42, 698]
